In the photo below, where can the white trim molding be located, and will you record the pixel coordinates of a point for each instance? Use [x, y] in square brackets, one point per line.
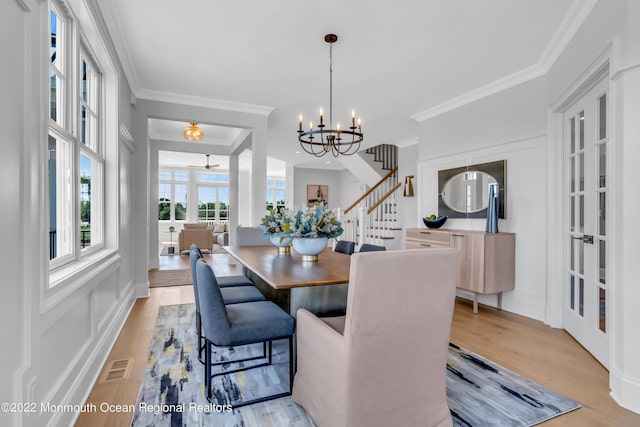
[199, 101]
[573, 20]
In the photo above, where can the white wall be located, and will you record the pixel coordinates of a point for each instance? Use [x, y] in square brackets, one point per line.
[304, 176]
[407, 165]
[510, 126]
[57, 338]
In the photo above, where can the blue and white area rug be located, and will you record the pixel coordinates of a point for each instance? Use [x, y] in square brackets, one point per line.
[480, 393]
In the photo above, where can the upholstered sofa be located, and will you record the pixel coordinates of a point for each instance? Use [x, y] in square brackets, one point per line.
[221, 234]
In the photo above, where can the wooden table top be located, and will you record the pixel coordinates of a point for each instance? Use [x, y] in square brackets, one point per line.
[284, 271]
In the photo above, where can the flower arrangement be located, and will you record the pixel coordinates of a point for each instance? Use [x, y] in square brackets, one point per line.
[315, 222]
[311, 222]
[277, 224]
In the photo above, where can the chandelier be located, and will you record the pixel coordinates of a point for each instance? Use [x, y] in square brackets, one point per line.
[193, 132]
[321, 140]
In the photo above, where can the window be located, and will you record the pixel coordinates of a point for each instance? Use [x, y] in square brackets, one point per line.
[276, 190]
[213, 197]
[172, 195]
[75, 158]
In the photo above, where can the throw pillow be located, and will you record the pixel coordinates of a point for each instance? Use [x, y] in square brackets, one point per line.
[219, 228]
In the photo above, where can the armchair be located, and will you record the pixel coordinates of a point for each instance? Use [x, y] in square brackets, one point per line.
[384, 363]
[199, 234]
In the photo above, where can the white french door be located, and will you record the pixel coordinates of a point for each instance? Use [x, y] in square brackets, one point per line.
[587, 311]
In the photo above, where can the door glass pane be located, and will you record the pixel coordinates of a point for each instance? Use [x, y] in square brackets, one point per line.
[580, 256]
[602, 310]
[581, 137]
[572, 292]
[572, 178]
[573, 135]
[602, 116]
[581, 214]
[602, 165]
[602, 264]
[573, 254]
[581, 297]
[602, 217]
[572, 207]
[581, 171]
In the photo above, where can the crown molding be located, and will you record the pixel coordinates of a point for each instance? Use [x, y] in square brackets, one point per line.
[494, 87]
[407, 143]
[571, 23]
[125, 136]
[23, 5]
[200, 101]
[116, 33]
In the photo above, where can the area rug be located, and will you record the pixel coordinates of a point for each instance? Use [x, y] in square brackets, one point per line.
[480, 393]
[159, 278]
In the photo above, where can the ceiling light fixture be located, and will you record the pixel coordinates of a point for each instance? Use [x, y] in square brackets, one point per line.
[193, 132]
[337, 141]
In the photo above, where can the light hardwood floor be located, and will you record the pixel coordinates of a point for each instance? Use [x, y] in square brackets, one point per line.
[545, 355]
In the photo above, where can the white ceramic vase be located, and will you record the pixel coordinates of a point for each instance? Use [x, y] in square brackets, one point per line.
[282, 243]
[310, 248]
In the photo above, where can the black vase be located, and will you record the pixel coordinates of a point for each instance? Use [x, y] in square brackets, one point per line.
[492, 209]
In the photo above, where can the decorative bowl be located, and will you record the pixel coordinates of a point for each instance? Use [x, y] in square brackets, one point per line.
[310, 248]
[436, 223]
[282, 243]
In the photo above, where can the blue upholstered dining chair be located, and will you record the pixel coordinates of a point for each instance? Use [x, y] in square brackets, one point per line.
[230, 295]
[345, 246]
[239, 324]
[225, 281]
[367, 247]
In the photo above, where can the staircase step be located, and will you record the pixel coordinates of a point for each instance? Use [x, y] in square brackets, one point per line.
[371, 236]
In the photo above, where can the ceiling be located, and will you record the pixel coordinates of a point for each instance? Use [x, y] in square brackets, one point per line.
[393, 60]
[275, 167]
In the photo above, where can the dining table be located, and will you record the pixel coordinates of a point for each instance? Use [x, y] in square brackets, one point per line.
[292, 283]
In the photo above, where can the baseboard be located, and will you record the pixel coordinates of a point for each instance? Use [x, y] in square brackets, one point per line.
[87, 374]
[518, 302]
[625, 391]
[142, 290]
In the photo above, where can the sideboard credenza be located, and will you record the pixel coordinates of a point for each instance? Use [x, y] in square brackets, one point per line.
[486, 261]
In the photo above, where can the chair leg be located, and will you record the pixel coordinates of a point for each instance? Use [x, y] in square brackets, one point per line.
[201, 339]
[209, 377]
[208, 380]
[290, 364]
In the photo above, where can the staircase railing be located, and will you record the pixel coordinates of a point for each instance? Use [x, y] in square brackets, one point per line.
[374, 216]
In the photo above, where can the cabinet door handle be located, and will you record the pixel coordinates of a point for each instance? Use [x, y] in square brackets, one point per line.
[425, 232]
[424, 244]
[458, 235]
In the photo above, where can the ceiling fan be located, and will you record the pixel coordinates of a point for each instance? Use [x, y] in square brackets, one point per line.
[207, 166]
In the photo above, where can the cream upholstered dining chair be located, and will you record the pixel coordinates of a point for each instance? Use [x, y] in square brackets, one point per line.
[384, 363]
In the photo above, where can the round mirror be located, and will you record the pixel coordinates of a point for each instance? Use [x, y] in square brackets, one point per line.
[468, 191]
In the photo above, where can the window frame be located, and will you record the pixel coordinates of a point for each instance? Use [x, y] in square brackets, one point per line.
[72, 50]
[172, 182]
[275, 188]
[221, 180]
